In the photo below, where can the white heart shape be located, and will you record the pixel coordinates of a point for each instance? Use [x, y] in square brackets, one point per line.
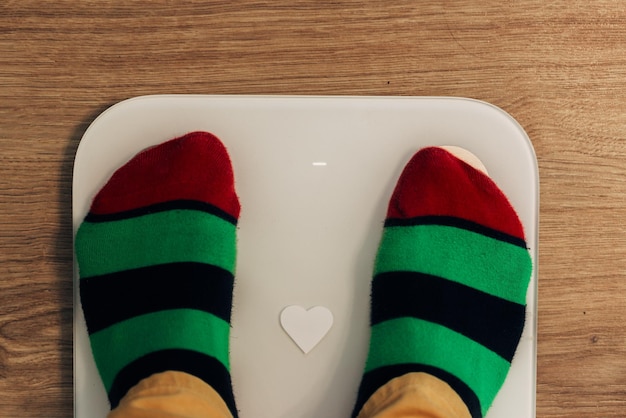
[306, 327]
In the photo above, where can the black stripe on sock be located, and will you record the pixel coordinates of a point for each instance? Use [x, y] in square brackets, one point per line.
[376, 378]
[111, 298]
[490, 321]
[200, 365]
[458, 223]
[162, 207]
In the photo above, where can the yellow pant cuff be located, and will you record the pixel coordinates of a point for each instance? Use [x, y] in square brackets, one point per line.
[415, 395]
[171, 394]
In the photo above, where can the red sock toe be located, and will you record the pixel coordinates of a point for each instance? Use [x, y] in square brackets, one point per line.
[162, 174]
[436, 183]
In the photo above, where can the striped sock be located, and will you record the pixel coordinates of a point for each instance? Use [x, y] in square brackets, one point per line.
[450, 282]
[156, 256]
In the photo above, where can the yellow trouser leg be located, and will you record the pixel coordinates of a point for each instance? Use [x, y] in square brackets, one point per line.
[171, 395]
[415, 395]
[176, 394]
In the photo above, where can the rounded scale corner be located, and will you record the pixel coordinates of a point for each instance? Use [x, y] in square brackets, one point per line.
[111, 111]
[523, 135]
[508, 116]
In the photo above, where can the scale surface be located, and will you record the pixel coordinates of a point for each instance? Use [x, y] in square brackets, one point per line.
[314, 176]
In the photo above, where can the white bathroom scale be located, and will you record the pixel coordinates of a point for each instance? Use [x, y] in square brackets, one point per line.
[314, 176]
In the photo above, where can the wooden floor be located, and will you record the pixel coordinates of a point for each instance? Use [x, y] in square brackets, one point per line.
[558, 67]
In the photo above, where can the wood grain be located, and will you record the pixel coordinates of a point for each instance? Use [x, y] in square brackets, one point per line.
[558, 67]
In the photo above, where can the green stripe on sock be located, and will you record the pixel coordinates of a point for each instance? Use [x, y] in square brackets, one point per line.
[158, 238]
[172, 329]
[412, 340]
[466, 257]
